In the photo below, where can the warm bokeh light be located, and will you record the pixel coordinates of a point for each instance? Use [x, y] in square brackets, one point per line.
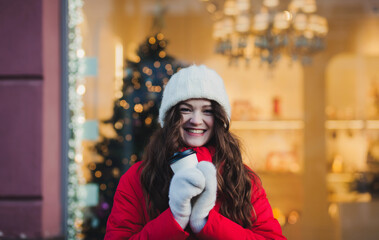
[160, 36]
[152, 40]
[116, 172]
[108, 162]
[138, 108]
[133, 158]
[148, 120]
[128, 137]
[157, 64]
[118, 125]
[103, 187]
[98, 174]
[162, 54]
[124, 104]
[293, 217]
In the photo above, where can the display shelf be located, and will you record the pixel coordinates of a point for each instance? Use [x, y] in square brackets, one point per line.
[267, 125]
[273, 146]
[278, 173]
[352, 124]
[340, 177]
[350, 197]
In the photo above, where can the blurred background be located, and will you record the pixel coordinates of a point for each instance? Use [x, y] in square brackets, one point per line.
[80, 89]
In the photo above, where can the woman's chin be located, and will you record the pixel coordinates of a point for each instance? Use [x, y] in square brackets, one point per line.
[194, 144]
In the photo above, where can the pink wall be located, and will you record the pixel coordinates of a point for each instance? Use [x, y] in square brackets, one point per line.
[51, 119]
[21, 39]
[29, 118]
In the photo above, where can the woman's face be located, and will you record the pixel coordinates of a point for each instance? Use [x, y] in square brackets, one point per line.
[197, 122]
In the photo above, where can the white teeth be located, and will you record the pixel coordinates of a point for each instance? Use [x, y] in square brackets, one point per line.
[195, 131]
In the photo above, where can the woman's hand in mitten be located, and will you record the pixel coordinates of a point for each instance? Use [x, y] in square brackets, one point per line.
[184, 185]
[207, 199]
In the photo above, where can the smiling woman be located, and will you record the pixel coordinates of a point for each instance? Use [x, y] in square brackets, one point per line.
[215, 199]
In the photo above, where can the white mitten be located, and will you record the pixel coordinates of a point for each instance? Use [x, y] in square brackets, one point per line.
[207, 199]
[184, 185]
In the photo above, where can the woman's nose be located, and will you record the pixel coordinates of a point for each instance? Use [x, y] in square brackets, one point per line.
[196, 118]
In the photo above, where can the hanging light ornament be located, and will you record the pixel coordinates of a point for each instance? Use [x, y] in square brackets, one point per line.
[270, 28]
[267, 32]
[309, 30]
[231, 31]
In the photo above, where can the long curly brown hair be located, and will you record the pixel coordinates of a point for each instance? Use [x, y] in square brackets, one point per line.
[234, 178]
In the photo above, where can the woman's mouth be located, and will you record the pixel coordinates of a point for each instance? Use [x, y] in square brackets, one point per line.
[197, 131]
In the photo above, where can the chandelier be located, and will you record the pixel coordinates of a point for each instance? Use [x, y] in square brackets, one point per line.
[247, 28]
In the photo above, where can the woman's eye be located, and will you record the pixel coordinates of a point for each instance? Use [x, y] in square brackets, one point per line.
[184, 109]
[208, 111]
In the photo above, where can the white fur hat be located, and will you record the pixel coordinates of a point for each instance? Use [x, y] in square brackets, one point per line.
[194, 82]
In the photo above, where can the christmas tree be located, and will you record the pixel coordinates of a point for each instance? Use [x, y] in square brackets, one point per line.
[135, 118]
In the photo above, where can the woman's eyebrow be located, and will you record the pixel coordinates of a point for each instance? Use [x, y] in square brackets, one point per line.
[207, 106]
[187, 104]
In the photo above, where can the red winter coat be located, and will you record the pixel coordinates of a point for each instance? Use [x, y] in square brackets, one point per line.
[129, 218]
